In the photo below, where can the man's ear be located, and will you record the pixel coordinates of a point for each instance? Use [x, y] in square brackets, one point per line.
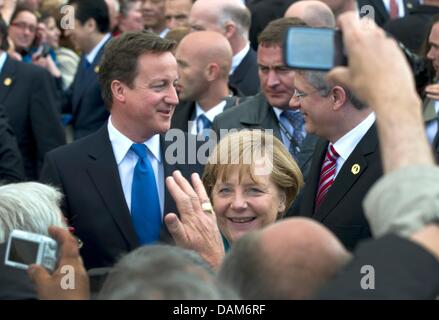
[212, 71]
[338, 96]
[91, 25]
[230, 29]
[118, 90]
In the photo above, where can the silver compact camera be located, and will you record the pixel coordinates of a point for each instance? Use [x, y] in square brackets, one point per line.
[26, 248]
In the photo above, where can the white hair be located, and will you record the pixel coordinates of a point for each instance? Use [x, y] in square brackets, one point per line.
[29, 206]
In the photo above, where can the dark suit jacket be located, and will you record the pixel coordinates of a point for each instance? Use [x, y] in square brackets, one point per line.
[29, 94]
[185, 112]
[87, 173]
[84, 101]
[341, 211]
[412, 29]
[381, 13]
[403, 270]
[14, 283]
[11, 164]
[256, 113]
[246, 76]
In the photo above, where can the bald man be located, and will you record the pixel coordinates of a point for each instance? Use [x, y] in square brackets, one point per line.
[314, 13]
[341, 6]
[232, 19]
[204, 60]
[292, 259]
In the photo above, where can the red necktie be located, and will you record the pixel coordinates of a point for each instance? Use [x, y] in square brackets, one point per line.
[327, 175]
[394, 12]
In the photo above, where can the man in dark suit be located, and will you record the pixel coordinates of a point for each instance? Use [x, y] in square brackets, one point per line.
[99, 174]
[266, 109]
[232, 19]
[384, 11]
[83, 99]
[11, 165]
[346, 161]
[204, 60]
[29, 95]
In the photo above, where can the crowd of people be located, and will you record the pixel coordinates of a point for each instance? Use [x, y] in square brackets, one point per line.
[172, 153]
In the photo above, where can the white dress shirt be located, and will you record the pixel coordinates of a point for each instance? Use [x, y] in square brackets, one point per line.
[126, 160]
[211, 114]
[346, 144]
[237, 58]
[93, 53]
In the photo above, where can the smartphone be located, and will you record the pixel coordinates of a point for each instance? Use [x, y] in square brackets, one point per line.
[313, 48]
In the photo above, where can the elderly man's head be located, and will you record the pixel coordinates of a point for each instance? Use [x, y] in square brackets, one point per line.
[29, 206]
[228, 17]
[314, 13]
[292, 259]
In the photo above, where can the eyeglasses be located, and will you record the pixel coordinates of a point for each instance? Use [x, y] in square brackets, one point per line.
[300, 95]
[23, 26]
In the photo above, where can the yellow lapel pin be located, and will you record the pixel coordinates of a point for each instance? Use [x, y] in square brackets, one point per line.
[7, 82]
[97, 69]
[355, 168]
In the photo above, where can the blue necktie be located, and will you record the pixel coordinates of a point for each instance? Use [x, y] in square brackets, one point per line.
[203, 125]
[145, 205]
[296, 121]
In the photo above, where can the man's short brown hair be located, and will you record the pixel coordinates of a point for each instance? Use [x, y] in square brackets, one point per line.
[273, 34]
[120, 58]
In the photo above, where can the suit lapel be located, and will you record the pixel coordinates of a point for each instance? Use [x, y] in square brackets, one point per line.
[261, 116]
[239, 75]
[103, 171]
[7, 78]
[346, 178]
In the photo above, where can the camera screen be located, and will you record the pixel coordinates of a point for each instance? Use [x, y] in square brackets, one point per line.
[312, 48]
[23, 251]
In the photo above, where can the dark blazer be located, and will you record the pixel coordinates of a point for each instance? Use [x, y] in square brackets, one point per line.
[15, 284]
[29, 94]
[381, 13]
[256, 113]
[84, 101]
[341, 211]
[403, 270]
[246, 76]
[11, 164]
[412, 29]
[185, 112]
[87, 173]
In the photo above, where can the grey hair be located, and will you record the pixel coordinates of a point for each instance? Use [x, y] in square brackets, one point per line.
[240, 15]
[317, 80]
[29, 206]
[163, 272]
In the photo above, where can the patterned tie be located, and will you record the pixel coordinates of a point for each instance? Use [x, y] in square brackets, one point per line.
[145, 205]
[394, 11]
[327, 175]
[203, 125]
[296, 121]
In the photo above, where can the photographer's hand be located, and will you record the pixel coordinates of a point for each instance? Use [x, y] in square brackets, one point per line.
[70, 280]
[378, 74]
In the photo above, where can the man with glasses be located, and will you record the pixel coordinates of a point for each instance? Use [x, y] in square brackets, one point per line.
[346, 161]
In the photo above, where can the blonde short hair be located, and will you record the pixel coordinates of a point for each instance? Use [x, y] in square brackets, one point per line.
[241, 149]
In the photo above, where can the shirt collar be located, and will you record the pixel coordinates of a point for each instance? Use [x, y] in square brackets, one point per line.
[278, 112]
[237, 58]
[122, 144]
[3, 57]
[93, 53]
[212, 113]
[346, 144]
